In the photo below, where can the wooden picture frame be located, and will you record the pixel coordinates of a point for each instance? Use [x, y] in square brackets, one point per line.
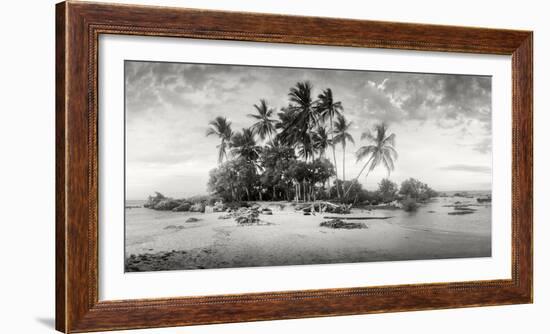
[78, 27]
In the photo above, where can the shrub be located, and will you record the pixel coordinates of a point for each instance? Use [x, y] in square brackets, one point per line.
[356, 193]
[185, 206]
[415, 189]
[387, 191]
[409, 204]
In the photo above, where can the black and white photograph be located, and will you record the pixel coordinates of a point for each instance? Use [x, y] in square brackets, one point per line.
[232, 166]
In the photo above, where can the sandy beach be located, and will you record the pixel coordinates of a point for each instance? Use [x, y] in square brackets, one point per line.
[157, 240]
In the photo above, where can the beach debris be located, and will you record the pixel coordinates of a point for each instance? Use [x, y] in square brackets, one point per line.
[431, 211]
[250, 217]
[339, 223]
[323, 206]
[192, 220]
[174, 227]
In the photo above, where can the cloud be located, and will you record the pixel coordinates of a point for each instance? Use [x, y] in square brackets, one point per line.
[484, 146]
[467, 168]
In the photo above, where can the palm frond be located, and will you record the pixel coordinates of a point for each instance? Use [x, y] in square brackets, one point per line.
[364, 152]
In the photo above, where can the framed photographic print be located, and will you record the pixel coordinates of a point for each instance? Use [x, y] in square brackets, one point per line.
[222, 167]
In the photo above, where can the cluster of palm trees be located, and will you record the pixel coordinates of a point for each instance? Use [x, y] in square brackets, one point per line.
[308, 125]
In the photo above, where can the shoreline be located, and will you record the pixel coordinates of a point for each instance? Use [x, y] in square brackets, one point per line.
[288, 237]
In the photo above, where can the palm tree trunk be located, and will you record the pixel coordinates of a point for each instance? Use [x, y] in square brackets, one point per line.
[358, 176]
[334, 157]
[343, 165]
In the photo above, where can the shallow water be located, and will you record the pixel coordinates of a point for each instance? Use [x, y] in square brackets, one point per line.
[435, 216]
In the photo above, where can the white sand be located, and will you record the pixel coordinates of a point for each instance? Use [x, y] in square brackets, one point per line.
[290, 238]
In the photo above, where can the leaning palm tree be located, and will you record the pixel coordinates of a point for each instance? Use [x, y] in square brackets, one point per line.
[221, 127]
[329, 109]
[381, 150]
[264, 126]
[342, 127]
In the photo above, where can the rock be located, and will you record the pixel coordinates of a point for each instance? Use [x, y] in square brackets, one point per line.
[225, 216]
[192, 220]
[167, 204]
[267, 211]
[197, 207]
[183, 207]
[455, 213]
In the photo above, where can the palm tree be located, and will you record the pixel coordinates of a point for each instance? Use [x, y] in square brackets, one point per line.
[221, 127]
[321, 141]
[301, 116]
[265, 125]
[342, 127]
[381, 150]
[330, 109]
[243, 145]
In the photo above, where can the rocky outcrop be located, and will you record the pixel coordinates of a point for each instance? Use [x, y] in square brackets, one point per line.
[167, 204]
[183, 207]
[154, 200]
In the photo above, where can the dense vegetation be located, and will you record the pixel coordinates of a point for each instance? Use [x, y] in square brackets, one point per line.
[283, 156]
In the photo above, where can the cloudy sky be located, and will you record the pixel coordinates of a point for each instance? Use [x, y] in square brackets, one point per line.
[442, 122]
